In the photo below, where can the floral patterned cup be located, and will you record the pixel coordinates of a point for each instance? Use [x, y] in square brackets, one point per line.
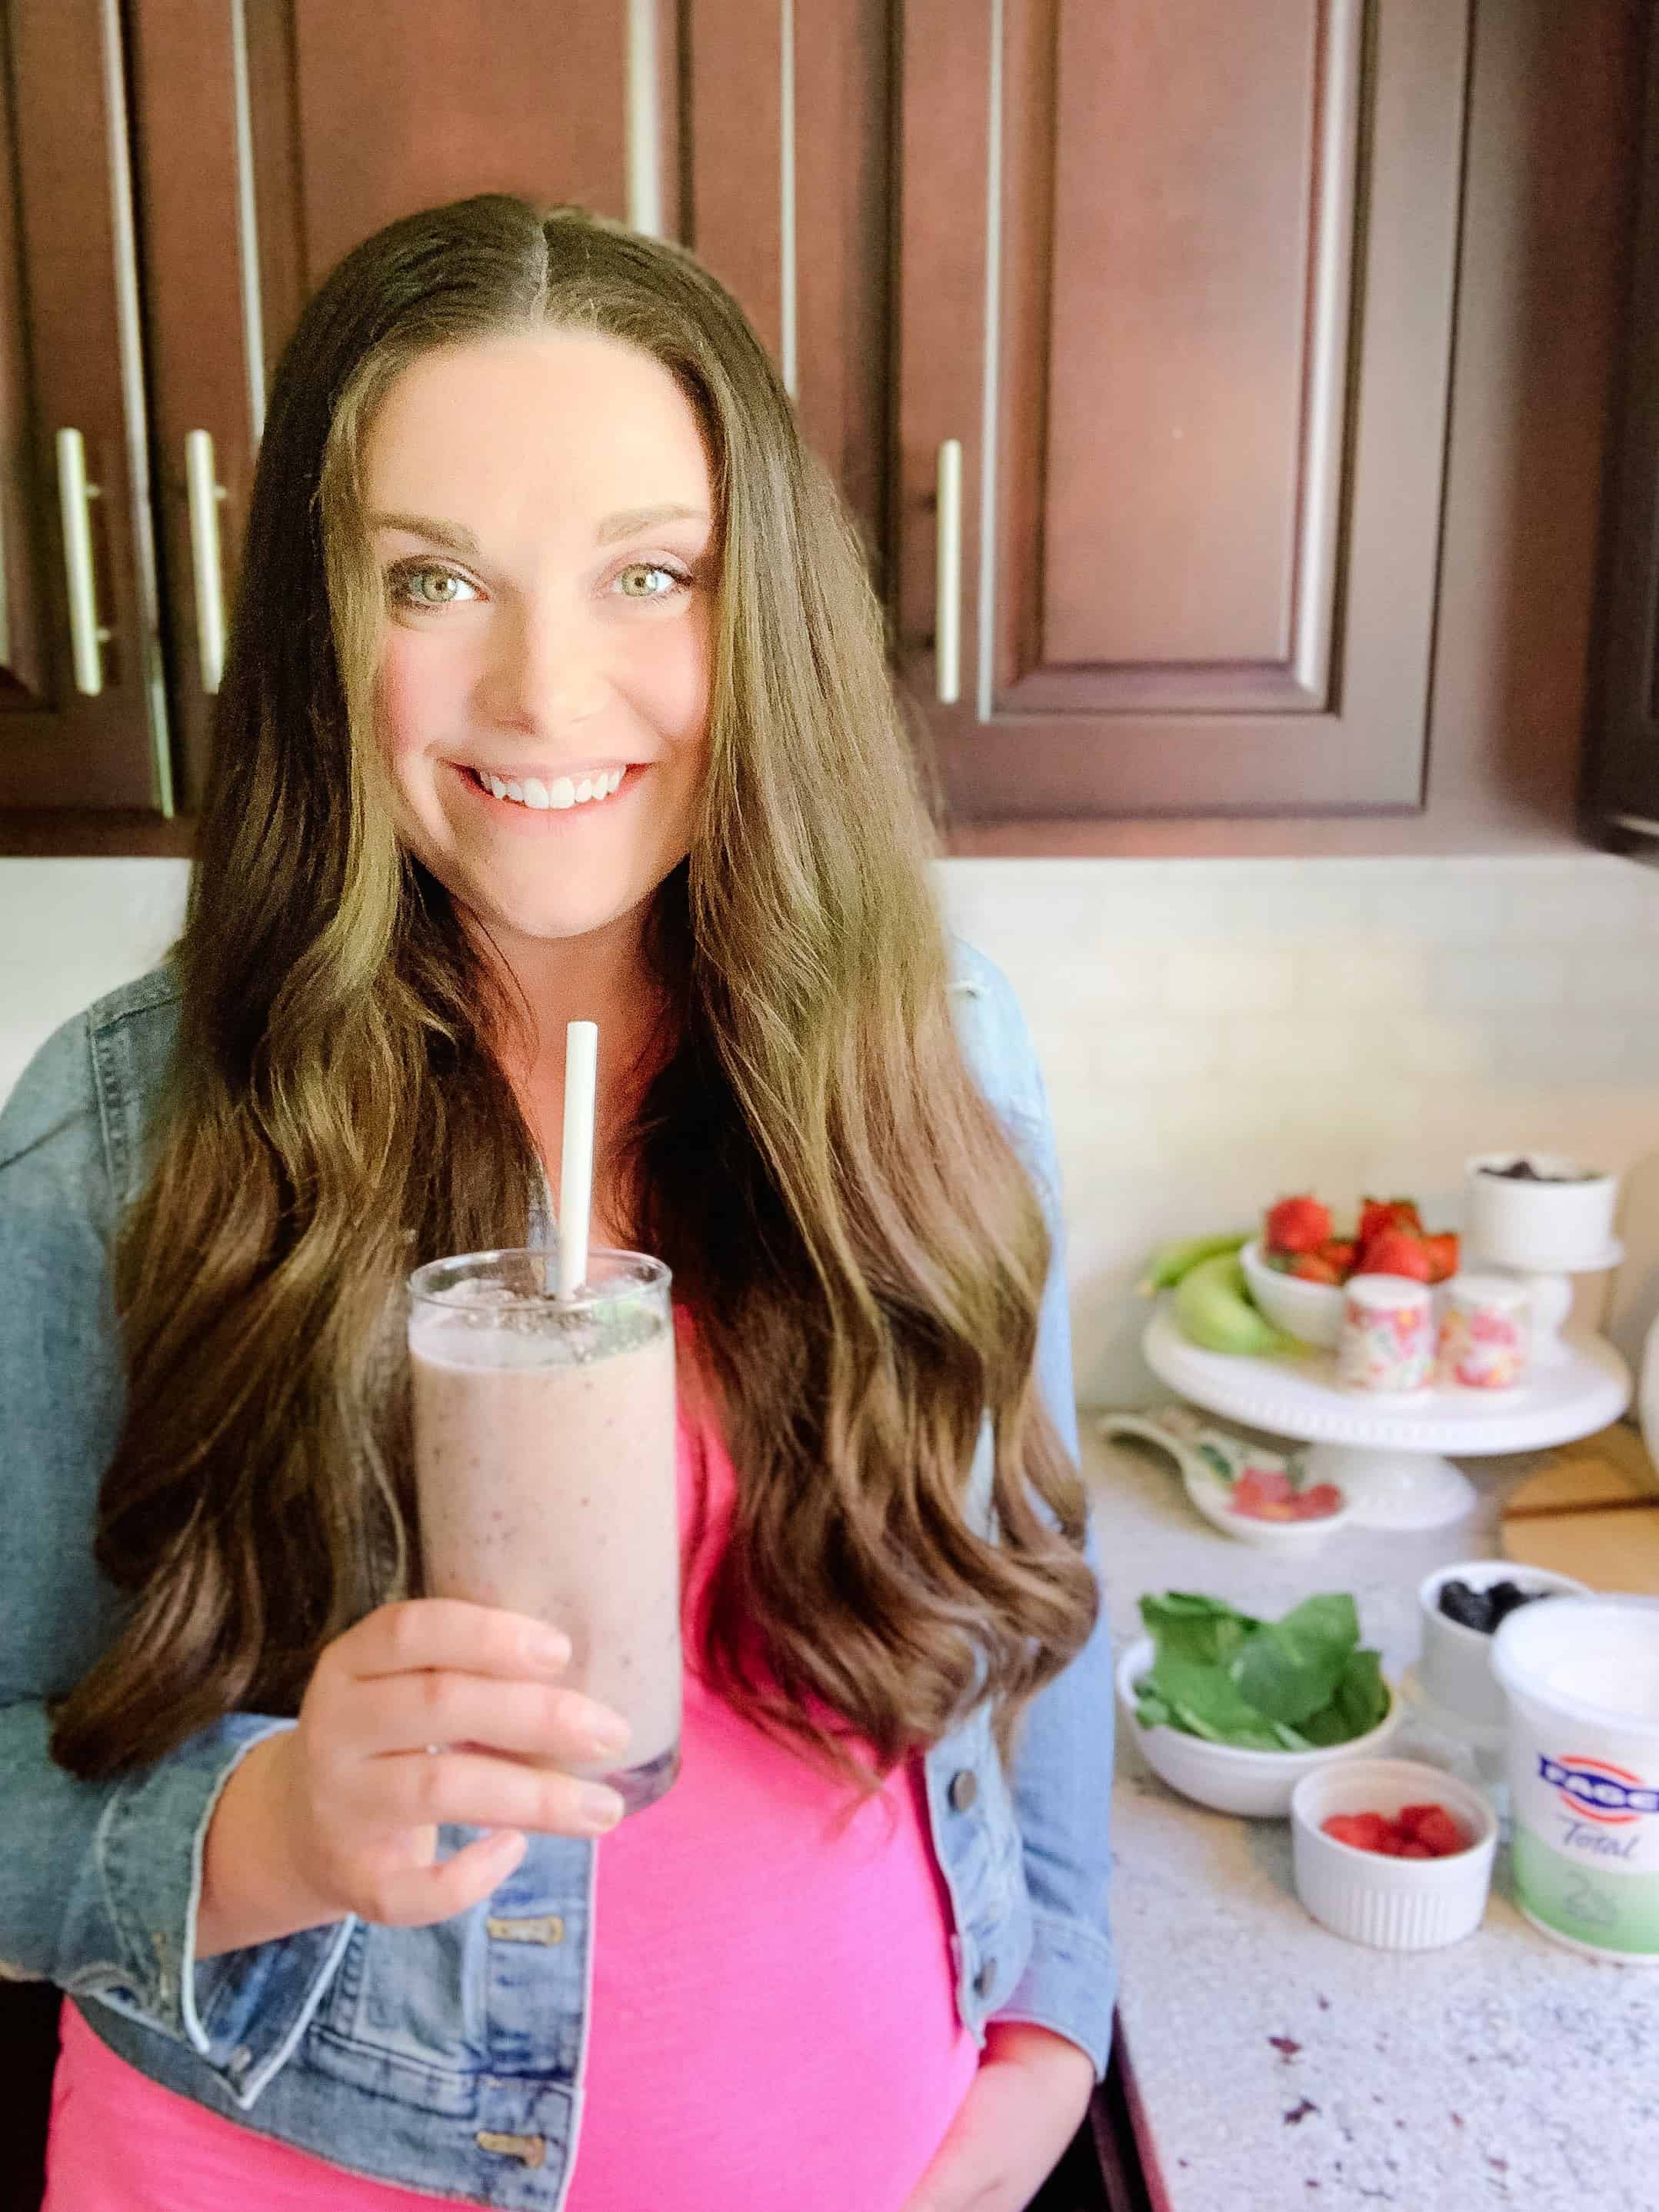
[1486, 1333]
[1388, 1335]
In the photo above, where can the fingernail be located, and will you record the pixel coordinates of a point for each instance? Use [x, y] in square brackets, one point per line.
[600, 1810]
[609, 1738]
[549, 1647]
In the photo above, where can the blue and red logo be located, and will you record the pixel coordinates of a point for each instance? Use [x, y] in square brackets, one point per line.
[1596, 1789]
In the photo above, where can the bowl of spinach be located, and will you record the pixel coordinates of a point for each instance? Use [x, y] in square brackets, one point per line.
[1232, 1711]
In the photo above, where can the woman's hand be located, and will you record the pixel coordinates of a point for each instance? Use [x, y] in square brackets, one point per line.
[1023, 2107]
[340, 1814]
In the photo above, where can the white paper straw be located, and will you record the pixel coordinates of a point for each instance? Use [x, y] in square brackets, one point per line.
[581, 1055]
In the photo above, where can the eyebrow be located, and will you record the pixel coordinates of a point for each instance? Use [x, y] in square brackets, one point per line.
[459, 539]
[633, 520]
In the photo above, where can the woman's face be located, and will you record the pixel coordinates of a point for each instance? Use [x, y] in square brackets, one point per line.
[543, 519]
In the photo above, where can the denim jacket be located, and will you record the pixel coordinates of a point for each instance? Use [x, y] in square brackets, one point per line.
[448, 2058]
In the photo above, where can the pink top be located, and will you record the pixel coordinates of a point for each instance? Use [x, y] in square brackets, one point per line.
[773, 2012]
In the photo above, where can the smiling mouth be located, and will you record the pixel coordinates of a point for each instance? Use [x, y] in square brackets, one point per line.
[561, 792]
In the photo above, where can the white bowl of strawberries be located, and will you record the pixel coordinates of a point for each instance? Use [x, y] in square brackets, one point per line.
[1297, 1267]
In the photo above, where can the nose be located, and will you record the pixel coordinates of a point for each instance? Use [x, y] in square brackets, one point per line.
[546, 674]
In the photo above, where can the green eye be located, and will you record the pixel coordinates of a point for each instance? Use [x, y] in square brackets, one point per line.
[649, 579]
[428, 585]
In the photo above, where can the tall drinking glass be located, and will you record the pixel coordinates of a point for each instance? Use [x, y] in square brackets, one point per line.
[545, 1460]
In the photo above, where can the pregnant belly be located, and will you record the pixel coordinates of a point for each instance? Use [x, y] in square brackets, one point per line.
[773, 2019]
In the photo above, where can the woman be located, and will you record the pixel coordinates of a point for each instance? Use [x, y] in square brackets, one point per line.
[556, 690]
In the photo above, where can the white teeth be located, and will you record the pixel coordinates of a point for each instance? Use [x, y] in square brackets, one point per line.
[562, 791]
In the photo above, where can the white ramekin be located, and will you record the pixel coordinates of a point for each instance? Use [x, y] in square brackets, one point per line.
[1536, 1226]
[1455, 1669]
[1394, 1905]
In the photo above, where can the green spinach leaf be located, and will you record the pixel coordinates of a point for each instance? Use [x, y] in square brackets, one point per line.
[1298, 1683]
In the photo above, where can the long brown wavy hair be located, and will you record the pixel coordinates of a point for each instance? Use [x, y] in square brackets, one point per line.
[859, 1244]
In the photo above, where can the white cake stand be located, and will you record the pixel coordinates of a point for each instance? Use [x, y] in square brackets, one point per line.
[1385, 1450]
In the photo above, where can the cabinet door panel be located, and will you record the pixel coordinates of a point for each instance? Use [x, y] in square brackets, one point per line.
[1180, 278]
[1623, 785]
[1187, 176]
[493, 96]
[87, 730]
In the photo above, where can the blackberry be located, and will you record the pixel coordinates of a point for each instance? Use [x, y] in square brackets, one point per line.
[1469, 1608]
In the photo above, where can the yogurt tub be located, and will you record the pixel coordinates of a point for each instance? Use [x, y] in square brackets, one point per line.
[1581, 1678]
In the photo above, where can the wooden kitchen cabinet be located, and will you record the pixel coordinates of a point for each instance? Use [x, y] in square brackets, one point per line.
[83, 705]
[1186, 283]
[1276, 343]
[1182, 289]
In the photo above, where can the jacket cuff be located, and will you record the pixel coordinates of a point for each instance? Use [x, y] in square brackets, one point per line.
[242, 2011]
[1069, 1984]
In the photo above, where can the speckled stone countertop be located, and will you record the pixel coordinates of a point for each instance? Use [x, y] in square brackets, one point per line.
[1276, 2066]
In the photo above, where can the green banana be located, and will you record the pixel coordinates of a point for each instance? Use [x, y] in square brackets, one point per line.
[1171, 1262]
[1213, 1309]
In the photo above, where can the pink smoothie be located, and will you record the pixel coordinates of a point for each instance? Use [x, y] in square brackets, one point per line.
[546, 1474]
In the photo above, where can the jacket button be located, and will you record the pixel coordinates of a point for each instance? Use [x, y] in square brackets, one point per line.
[964, 1788]
[985, 1979]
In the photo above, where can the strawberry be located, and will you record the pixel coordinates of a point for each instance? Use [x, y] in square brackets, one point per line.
[1298, 1225]
[1376, 1214]
[1348, 1828]
[1311, 1268]
[1316, 1501]
[1341, 1252]
[1397, 1252]
[1436, 1830]
[1442, 1252]
[1261, 1495]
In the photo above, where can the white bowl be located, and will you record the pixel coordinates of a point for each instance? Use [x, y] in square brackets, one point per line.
[1223, 1775]
[1395, 1905]
[1312, 1311]
[1539, 1227]
[1455, 1669]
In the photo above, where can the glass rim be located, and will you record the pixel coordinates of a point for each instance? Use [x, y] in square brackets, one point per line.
[650, 1275]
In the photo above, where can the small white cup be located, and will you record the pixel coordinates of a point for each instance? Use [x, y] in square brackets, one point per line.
[1455, 1669]
[1394, 1904]
[1542, 1227]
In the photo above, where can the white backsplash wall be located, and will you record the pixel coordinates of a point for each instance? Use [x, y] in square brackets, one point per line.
[1218, 1033]
[1214, 1033]
[69, 931]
